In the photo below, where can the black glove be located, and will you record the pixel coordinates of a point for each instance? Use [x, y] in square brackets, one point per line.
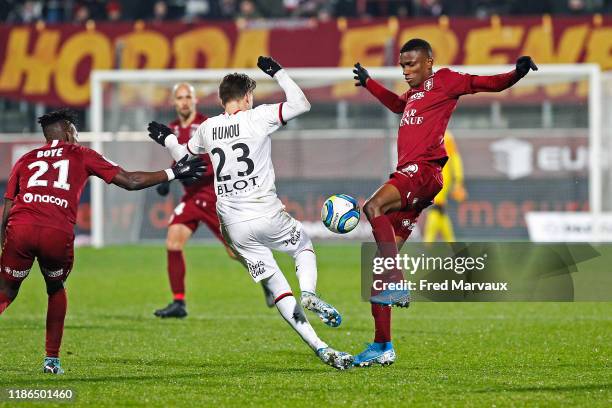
[361, 75]
[186, 168]
[163, 188]
[268, 65]
[159, 132]
[523, 65]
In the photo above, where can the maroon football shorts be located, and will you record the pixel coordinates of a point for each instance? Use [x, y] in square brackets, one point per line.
[418, 184]
[403, 222]
[194, 210]
[53, 248]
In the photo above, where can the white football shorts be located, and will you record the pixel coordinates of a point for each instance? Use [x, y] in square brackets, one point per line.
[254, 240]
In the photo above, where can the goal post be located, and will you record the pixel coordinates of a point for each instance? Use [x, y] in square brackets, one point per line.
[346, 144]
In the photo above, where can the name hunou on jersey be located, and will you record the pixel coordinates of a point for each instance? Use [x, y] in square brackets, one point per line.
[226, 132]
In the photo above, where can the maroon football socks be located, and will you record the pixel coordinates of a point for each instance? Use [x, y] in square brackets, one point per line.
[56, 313]
[176, 274]
[387, 248]
[382, 323]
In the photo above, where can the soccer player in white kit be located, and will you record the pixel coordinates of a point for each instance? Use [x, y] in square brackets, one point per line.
[253, 219]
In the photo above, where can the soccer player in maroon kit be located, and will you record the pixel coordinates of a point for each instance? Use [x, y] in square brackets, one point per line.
[40, 207]
[197, 205]
[394, 208]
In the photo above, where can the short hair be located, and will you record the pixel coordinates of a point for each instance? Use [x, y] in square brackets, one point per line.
[235, 86]
[65, 115]
[182, 84]
[417, 44]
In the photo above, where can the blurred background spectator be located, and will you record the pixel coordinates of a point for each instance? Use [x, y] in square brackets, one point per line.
[81, 13]
[429, 8]
[248, 10]
[113, 11]
[160, 11]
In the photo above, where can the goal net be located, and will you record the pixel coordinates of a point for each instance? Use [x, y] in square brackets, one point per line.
[534, 148]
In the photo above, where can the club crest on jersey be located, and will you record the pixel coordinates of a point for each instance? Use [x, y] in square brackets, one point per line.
[408, 224]
[428, 84]
[411, 169]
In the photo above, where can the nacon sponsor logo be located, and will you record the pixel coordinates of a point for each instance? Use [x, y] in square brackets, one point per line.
[44, 198]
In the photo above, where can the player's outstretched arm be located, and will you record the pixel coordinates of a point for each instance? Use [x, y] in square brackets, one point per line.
[163, 135]
[185, 168]
[296, 103]
[8, 204]
[497, 83]
[390, 99]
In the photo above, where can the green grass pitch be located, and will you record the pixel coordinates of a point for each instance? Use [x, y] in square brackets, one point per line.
[234, 351]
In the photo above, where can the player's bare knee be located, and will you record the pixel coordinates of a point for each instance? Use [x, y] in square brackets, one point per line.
[174, 244]
[371, 209]
[178, 235]
[175, 241]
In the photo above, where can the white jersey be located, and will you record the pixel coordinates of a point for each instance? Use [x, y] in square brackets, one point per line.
[239, 146]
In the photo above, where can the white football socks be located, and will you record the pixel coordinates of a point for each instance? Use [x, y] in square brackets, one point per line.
[294, 315]
[306, 270]
[291, 311]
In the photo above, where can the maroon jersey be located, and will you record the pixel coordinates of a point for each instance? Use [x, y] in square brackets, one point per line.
[46, 184]
[205, 186]
[427, 109]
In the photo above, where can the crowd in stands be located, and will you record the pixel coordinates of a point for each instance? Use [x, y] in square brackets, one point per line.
[79, 11]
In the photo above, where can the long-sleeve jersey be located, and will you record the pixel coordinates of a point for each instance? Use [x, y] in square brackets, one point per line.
[240, 148]
[46, 184]
[426, 110]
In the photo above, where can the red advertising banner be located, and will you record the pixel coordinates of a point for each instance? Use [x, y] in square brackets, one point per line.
[51, 64]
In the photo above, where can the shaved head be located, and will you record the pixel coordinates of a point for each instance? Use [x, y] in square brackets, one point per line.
[184, 97]
[185, 85]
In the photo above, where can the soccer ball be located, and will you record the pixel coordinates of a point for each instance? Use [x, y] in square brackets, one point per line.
[340, 213]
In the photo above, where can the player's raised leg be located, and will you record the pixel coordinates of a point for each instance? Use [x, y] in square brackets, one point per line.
[306, 271]
[294, 315]
[251, 242]
[292, 239]
[381, 350]
[385, 200]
